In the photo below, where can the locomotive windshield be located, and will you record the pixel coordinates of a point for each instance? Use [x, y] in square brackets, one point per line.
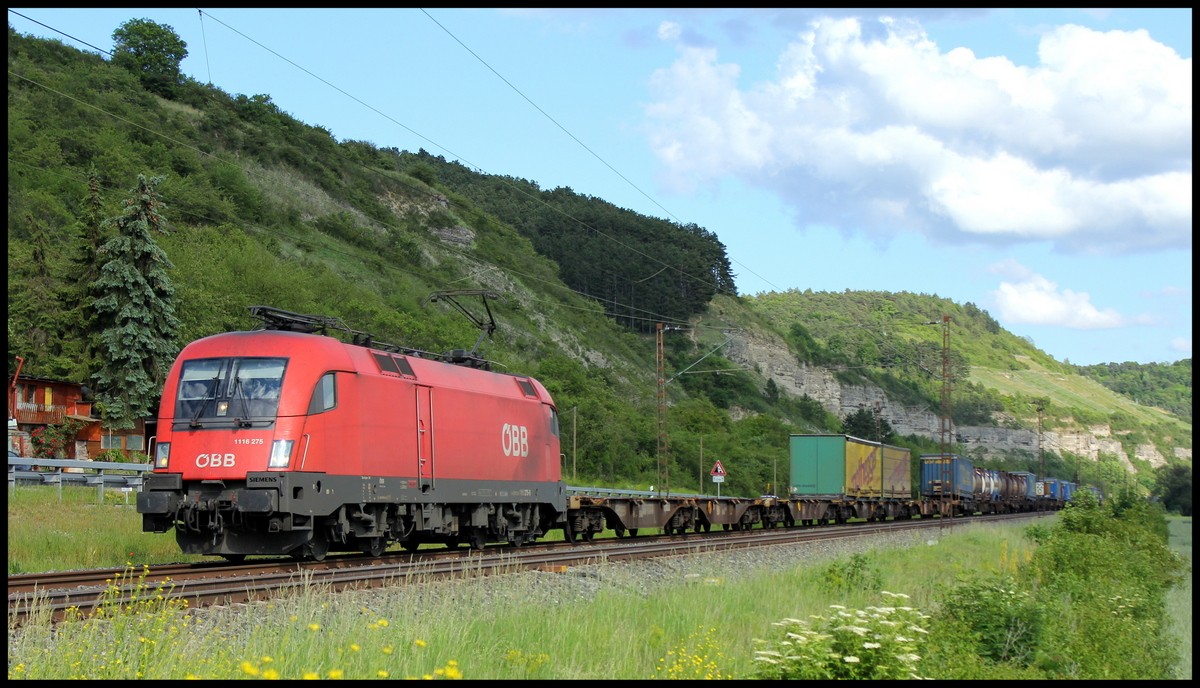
[242, 391]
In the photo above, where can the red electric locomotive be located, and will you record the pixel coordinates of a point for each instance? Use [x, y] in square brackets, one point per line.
[285, 440]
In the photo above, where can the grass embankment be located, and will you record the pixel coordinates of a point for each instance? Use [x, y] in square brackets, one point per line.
[524, 626]
[1179, 599]
[45, 535]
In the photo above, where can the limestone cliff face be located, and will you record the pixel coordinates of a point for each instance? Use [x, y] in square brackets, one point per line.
[769, 355]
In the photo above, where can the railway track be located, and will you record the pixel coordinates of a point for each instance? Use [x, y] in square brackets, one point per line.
[215, 582]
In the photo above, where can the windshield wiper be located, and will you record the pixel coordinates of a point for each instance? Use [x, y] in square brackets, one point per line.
[237, 393]
[195, 422]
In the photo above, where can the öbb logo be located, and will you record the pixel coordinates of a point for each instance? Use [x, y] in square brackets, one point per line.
[514, 439]
[214, 460]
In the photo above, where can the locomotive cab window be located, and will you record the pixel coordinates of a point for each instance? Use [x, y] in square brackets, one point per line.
[229, 389]
[324, 395]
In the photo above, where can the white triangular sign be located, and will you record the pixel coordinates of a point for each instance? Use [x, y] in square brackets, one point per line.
[718, 469]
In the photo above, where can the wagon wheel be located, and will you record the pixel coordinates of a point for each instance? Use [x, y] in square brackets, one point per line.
[452, 543]
[318, 547]
[375, 546]
[477, 538]
[633, 532]
[620, 531]
[587, 535]
[569, 534]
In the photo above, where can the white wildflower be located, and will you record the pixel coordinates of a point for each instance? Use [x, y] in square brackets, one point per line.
[770, 653]
[853, 629]
[918, 630]
[902, 639]
[850, 658]
[836, 606]
[872, 646]
[765, 659]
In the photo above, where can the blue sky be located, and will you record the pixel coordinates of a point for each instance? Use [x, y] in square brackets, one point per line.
[1035, 162]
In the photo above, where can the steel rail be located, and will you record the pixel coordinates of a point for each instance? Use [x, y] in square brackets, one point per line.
[213, 582]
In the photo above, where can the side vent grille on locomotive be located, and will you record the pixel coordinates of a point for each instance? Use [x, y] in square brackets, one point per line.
[393, 364]
[385, 363]
[527, 388]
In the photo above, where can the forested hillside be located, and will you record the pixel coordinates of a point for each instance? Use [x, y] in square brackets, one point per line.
[637, 266]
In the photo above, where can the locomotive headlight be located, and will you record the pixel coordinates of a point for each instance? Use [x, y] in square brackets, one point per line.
[281, 453]
[161, 454]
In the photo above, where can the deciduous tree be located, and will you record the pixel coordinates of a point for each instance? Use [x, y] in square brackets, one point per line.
[151, 50]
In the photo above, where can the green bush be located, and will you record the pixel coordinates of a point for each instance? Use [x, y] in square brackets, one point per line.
[1005, 620]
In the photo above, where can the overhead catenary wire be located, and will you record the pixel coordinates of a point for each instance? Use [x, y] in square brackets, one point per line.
[573, 137]
[516, 188]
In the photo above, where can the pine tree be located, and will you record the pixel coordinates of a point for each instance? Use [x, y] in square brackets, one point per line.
[135, 313]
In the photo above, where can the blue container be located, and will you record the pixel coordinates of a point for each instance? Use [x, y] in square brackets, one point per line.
[1029, 489]
[934, 471]
[1054, 488]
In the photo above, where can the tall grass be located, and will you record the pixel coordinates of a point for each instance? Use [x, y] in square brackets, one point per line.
[1179, 599]
[699, 614]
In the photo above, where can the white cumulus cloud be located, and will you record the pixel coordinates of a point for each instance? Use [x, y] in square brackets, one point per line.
[1033, 299]
[1182, 344]
[1091, 149]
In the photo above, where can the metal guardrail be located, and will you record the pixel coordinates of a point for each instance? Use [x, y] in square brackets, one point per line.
[93, 474]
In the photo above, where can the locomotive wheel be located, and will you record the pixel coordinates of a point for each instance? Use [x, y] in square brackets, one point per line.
[517, 540]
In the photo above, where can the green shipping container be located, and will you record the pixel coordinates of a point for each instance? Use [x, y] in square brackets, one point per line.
[847, 466]
[818, 464]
